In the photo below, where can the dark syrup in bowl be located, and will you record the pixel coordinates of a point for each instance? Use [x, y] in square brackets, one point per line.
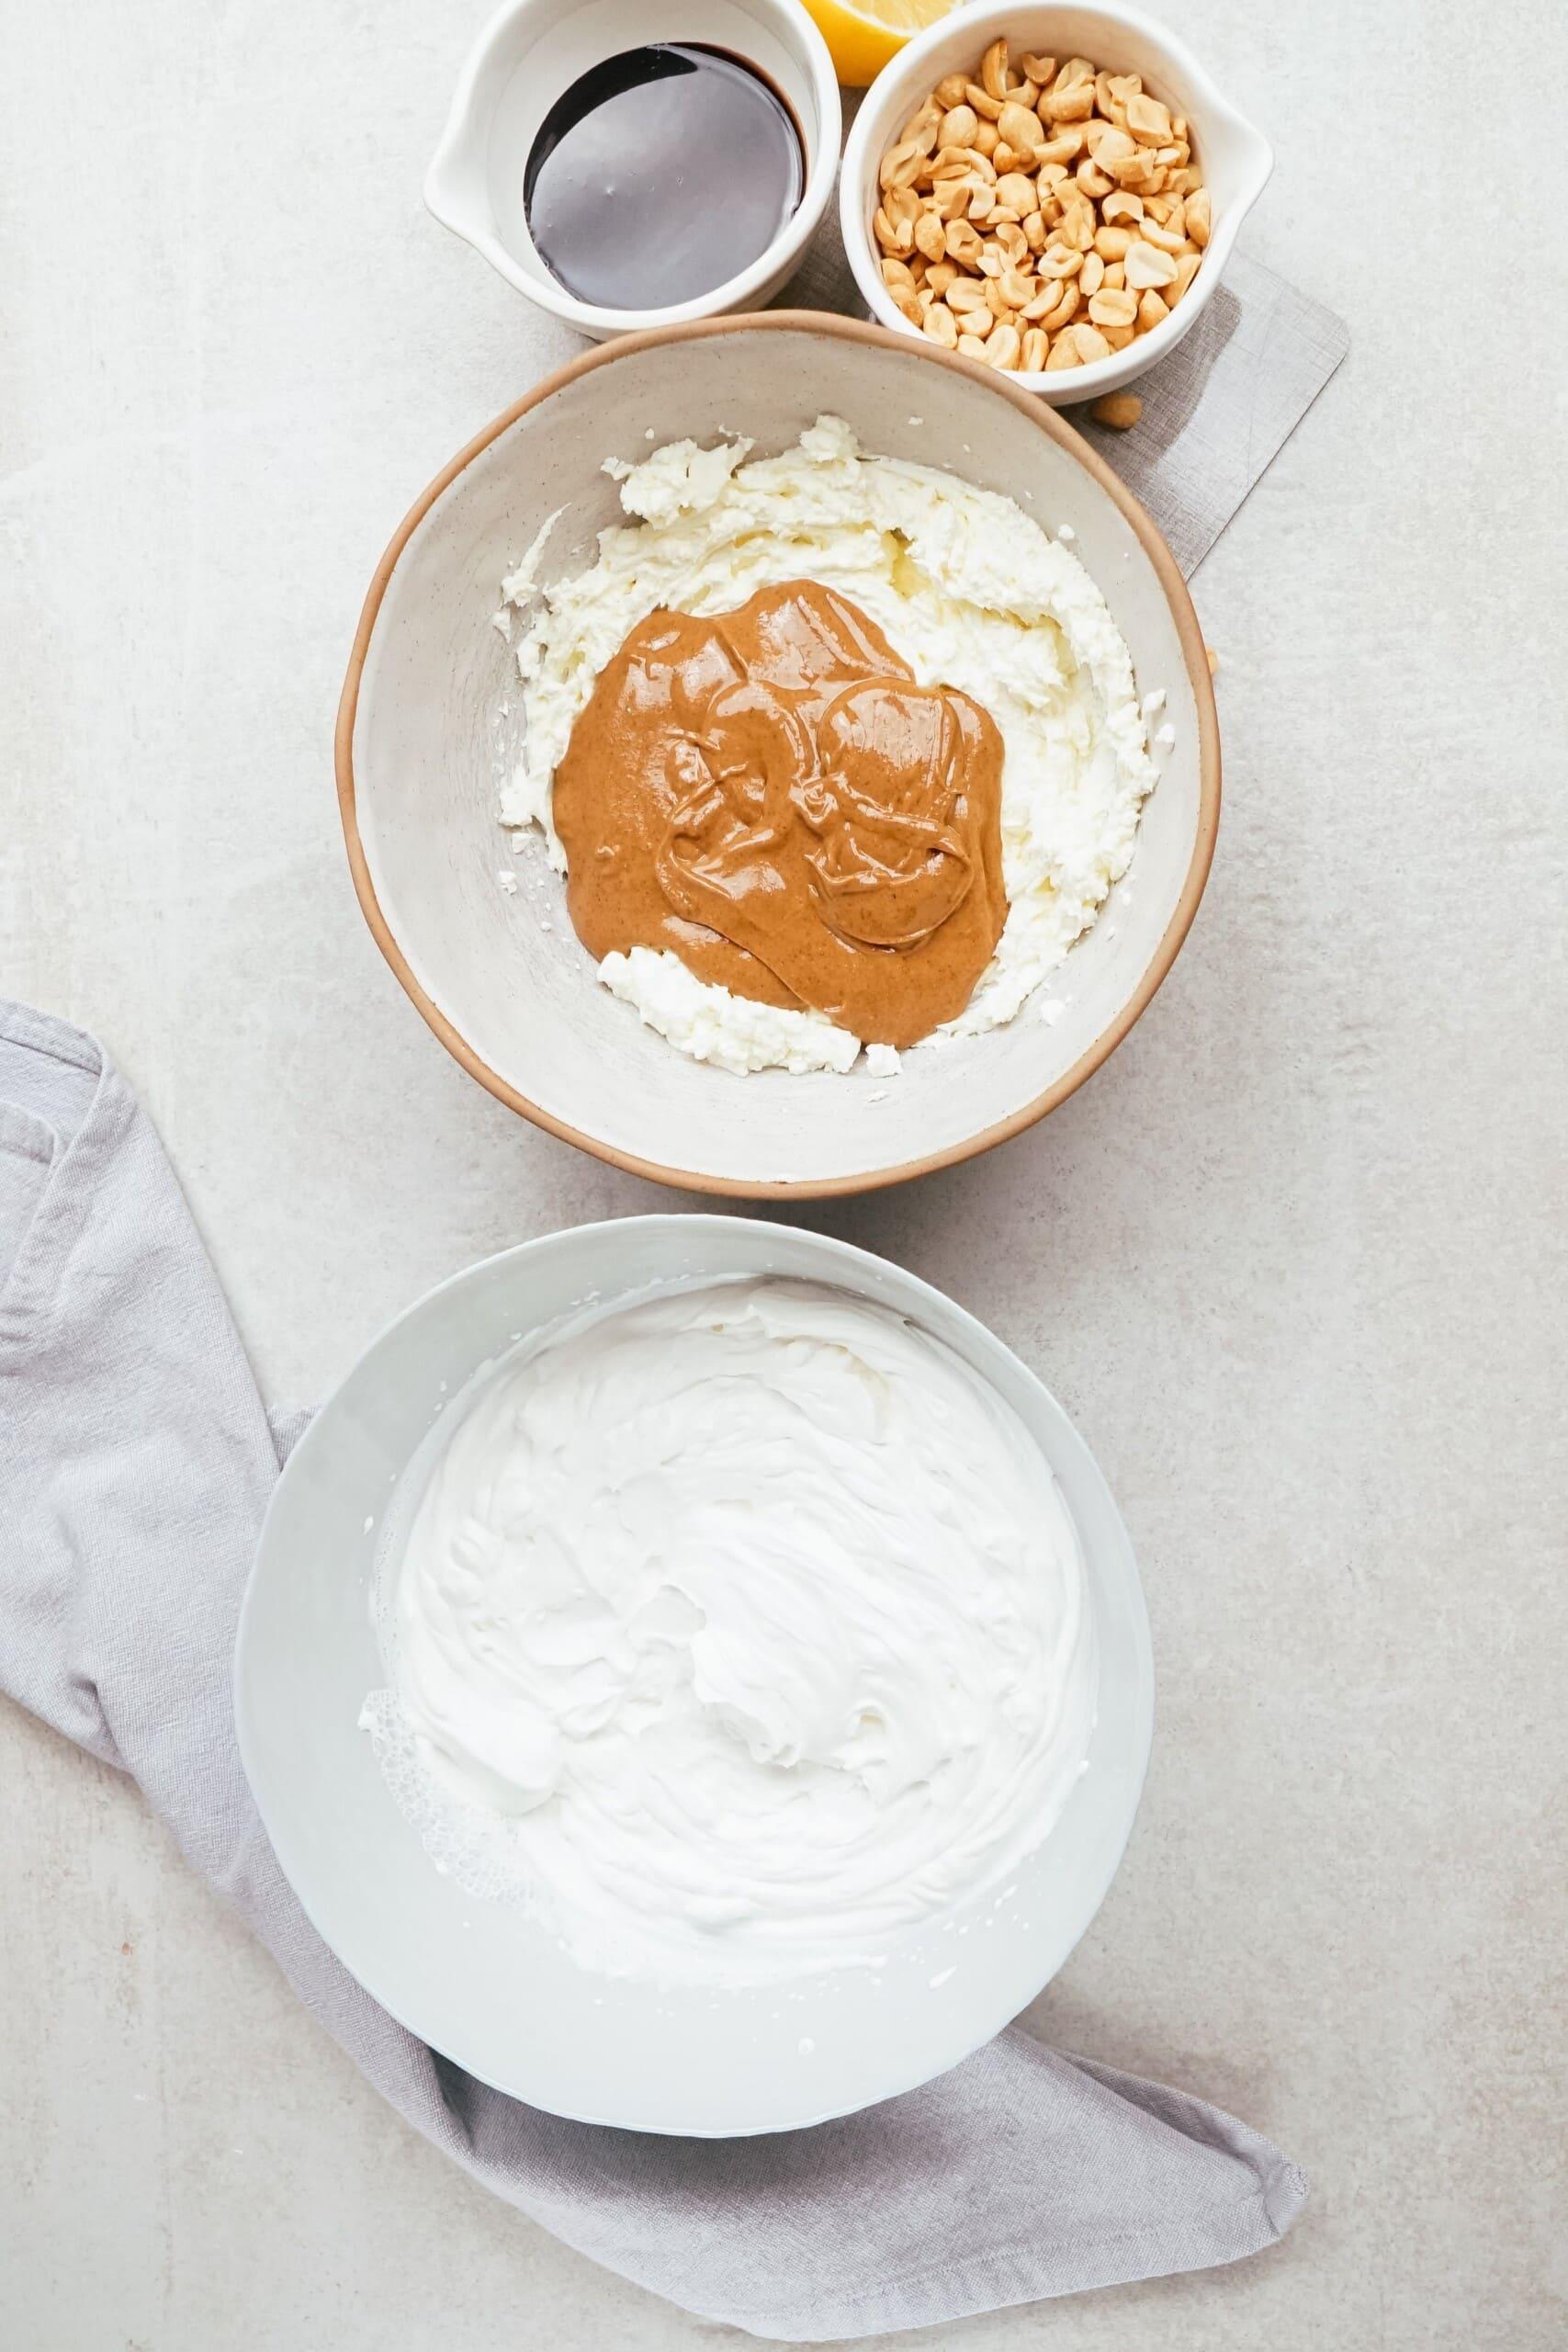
[660, 175]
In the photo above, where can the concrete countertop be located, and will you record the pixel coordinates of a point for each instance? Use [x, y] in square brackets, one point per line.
[1288, 1259]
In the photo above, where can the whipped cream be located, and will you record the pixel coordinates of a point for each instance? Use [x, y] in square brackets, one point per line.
[738, 1630]
[969, 590]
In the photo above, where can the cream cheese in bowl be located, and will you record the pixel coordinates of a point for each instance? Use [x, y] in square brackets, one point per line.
[735, 1632]
[968, 590]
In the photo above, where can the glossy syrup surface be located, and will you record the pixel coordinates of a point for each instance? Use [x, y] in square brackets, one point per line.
[660, 173]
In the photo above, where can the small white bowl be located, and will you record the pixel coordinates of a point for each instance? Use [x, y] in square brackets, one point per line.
[481, 1982]
[1236, 159]
[533, 51]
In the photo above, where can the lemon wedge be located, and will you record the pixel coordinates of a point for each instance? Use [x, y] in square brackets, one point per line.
[861, 39]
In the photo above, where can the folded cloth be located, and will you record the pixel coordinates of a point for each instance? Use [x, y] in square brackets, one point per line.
[137, 1459]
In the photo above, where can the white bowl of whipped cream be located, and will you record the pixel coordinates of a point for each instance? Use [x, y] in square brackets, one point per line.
[696, 1676]
[779, 757]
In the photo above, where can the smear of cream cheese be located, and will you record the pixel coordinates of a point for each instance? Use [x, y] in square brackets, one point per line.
[739, 1630]
[970, 590]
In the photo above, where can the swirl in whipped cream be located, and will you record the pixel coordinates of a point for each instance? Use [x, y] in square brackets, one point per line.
[752, 1623]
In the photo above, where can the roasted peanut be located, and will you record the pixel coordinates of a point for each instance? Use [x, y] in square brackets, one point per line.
[931, 236]
[1020, 128]
[1187, 269]
[1146, 266]
[1091, 343]
[1075, 104]
[899, 166]
[1108, 145]
[1040, 214]
[1065, 145]
[1077, 224]
[1019, 190]
[994, 71]
[1165, 241]
[1120, 411]
[1114, 307]
[1148, 121]
[1062, 309]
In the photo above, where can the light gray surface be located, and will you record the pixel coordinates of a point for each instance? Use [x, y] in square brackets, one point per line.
[136, 1460]
[1287, 1258]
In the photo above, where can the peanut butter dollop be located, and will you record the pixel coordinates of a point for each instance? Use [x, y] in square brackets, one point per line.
[770, 793]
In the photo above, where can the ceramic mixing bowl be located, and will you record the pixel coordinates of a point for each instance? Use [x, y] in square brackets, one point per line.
[480, 1980]
[430, 724]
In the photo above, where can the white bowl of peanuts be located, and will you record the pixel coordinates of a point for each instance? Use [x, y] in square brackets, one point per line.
[1054, 192]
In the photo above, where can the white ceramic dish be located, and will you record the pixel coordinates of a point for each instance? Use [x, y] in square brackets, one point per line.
[532, 50]
[477, 1981]
[429, 723]
[1236, 159]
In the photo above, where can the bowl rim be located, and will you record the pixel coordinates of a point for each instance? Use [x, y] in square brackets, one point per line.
[1189, 634]
[1072, 384]
[847, 1265]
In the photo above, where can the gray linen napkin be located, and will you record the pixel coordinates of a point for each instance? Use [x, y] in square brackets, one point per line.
[1216, 412]
[135, 1462]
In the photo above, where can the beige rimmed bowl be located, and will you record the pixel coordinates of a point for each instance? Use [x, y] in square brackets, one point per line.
[430, 724]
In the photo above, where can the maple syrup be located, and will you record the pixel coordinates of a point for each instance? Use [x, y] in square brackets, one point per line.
[660, 173]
